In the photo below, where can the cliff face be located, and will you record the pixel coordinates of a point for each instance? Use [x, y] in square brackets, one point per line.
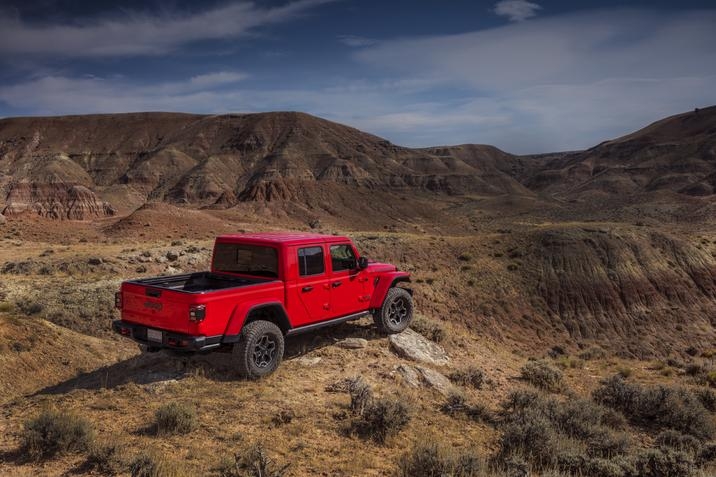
[219, 161]
[55, 201]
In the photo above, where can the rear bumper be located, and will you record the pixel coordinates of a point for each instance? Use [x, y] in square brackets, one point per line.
[169, 340]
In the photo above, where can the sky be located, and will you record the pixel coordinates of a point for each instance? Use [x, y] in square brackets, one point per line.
[527, 76]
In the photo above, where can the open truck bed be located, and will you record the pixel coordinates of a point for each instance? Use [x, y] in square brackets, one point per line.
[200, 282]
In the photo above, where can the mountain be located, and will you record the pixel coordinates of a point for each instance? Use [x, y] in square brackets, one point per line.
[676, 154]
[97, 165]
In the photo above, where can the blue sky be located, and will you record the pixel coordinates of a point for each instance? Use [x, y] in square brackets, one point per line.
[527, 76]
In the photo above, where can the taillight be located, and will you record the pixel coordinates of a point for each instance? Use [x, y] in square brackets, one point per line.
[197, 313]
[118, 300]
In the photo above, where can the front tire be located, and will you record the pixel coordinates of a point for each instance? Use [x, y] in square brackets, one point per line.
[259, 350]
[396, 313]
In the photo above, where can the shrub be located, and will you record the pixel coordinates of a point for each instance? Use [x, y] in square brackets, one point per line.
[361, 394]
[428, 328]
[152, 465]
[663, 463]
[592, 353]
[252, 462]
[53, 432]
[543, 375]
[670, 408]
[106, 459]
[472, 376]
[433, 460]
[6, 307]
[382, 418]
[707, 398]
[456, 404]
[175, 418]
[29, 307]
[681, 442]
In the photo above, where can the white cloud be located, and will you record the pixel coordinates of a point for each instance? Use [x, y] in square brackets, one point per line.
[356, 41]
[516, 10]
[142, 34]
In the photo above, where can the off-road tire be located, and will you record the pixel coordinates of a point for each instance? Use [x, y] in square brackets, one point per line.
[259, 350]
[396, 313]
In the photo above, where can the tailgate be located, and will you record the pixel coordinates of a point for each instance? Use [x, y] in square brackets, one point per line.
[157, 308]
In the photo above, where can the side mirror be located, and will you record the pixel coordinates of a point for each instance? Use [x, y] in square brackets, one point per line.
[362, 263]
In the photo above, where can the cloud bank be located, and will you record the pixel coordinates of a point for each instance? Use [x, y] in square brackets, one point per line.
[138, 34]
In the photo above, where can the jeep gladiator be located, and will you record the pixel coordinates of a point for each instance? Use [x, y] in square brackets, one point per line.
[261, 288]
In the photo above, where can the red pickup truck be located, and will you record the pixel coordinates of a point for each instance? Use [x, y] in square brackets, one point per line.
[261, 288]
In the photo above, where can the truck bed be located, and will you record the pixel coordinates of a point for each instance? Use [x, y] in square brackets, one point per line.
[200, 282]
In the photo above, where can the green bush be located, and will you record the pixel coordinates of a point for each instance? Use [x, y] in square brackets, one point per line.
[252, 462]
[54, 432]
[175, 418]
[471, 376]
[382, 418]
[106, 459]
[428, 328]
[662, 463]
[433, 460]
[153, 465]
[665, 407]
[593, 353]
[543, 375]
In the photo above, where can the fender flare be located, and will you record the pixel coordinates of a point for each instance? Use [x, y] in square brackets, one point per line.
[386, 281]
[242, 313]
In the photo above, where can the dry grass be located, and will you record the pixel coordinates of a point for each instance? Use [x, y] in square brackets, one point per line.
[55, 433]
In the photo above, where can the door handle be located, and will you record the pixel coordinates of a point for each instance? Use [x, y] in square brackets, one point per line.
[337, 284]
[306, 289]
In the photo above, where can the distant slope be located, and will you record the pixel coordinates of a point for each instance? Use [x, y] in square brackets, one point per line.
[218, 161]
[676, 154]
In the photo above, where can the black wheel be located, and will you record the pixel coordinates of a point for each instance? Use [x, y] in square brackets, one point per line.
[259, 350]
[396, 313]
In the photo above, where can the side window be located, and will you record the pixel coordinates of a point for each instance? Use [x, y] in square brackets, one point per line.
[310, 261]
[342, 258]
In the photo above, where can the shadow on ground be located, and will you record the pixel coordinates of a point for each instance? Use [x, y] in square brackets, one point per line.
[147, 368]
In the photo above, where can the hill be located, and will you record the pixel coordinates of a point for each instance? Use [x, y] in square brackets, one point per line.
[676, 154]
[93, 166]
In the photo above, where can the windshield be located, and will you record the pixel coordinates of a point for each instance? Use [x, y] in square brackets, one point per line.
[248, 259]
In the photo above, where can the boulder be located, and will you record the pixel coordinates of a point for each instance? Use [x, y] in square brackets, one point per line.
[352, 343]
[416, 347]
[409, 375]
[308, 360]
[435, 380]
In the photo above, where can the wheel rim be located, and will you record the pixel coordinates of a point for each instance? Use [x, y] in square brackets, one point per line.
[398, 311]
[264, 351]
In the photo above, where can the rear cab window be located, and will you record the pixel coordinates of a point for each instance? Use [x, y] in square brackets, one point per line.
[311, 261]
[257, 260]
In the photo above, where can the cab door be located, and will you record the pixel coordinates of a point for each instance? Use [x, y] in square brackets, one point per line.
[311, 288]
[348, 293]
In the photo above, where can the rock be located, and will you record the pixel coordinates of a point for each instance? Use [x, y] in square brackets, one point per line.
[172, 270]
[161, 259]
[409, 374]
[414, 346]
[352, 343]
[308, 361]
[95, 261]
[141, 269]
[172, 256]
[55, 200]
[2, 219]
[436, 380]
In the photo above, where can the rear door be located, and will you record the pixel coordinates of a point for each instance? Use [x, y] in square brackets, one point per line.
[312, 286]
[347, 282]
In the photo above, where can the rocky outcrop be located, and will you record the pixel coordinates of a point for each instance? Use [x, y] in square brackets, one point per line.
[416, 347]
[55, 201]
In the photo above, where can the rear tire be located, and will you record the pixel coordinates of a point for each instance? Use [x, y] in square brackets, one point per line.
[259, 350]
[396, 313]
